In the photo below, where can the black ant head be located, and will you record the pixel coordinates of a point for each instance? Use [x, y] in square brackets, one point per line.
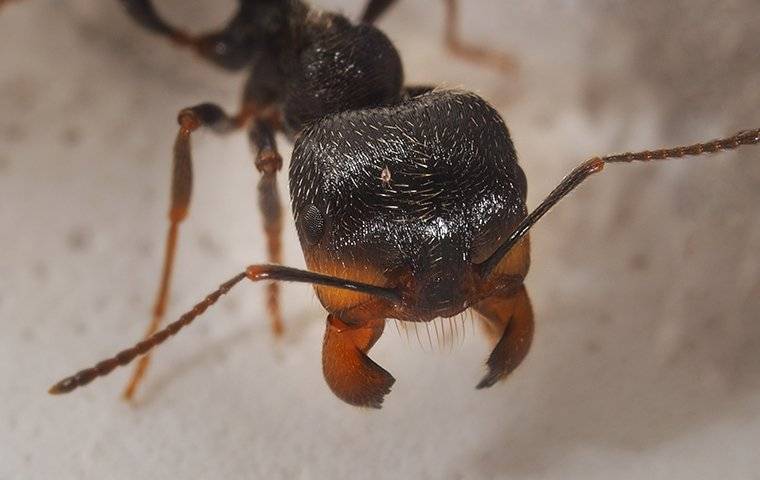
[411, 196]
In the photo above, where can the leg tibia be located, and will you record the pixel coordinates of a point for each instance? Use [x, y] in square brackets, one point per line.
[268, 161]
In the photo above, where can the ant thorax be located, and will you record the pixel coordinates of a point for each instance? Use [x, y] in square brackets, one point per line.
[332, 72]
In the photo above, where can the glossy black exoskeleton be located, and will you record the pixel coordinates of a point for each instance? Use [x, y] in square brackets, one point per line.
[452, 192]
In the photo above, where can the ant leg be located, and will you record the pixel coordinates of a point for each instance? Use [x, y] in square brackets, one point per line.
[143, 12]
[376, 9]
[226, 48]
[597, 164]
[350, 373]
[269, 162]
[189, 119]
[458, 47]
[509, 323]
[451, 38]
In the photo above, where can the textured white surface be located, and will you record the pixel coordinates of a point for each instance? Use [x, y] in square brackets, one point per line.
[645, 282]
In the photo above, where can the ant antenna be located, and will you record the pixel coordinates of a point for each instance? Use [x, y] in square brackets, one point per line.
[589, 167]
[254, 273]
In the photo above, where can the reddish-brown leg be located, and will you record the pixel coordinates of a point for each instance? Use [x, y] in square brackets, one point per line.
[269, 162]
[350, 373]
[190, 119]
[375, 9]
[509, 323]
[468, 51]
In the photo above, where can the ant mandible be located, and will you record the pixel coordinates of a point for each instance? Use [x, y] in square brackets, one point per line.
[409, 202]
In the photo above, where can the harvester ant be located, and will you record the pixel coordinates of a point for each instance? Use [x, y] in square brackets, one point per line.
[408, 201]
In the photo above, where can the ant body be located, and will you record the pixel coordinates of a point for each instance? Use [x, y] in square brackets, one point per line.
[305, 64]
[408, 201]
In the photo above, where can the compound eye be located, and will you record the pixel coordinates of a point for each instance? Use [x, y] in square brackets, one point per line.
[312, 224]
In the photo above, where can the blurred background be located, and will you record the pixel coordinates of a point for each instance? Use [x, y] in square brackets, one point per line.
[645, 282]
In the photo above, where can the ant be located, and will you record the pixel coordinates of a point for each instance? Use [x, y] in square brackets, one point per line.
[409, 202]
[271, 38]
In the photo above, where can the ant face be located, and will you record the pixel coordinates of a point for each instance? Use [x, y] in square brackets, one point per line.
[419, 201]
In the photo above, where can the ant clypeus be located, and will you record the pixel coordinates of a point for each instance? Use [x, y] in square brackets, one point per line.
[408, 201]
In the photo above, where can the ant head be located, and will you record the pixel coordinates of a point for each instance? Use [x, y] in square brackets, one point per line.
[421, 191]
